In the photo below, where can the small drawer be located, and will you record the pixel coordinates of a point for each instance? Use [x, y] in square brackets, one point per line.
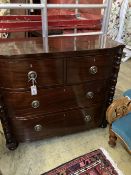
[56, 124]
[55, 99]
[17, 73]
[88, 68]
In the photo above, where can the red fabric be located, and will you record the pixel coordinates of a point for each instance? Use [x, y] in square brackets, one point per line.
[64, 19]
[92, 11]
[91, 14]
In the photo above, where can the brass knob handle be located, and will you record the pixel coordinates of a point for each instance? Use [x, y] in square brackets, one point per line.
[35, 104]
[87, 118]
[32, 75]
[93, 70]
[38, 127]
[89, 94]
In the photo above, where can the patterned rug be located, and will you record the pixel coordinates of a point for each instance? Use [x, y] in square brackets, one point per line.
[97, 162]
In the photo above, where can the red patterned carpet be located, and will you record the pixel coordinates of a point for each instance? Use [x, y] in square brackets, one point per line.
[97, 162]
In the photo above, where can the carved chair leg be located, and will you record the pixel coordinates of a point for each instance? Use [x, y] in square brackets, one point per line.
[112, 138]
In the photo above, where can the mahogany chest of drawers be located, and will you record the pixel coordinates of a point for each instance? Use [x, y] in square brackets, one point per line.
[63, 91]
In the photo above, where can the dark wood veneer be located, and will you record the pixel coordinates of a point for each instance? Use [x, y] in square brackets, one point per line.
[78, 70]
[15, 73]
[71, 95]
[57, 46]
[57, 123]
[20, 103]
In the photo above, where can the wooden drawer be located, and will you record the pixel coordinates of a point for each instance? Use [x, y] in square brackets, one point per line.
[88, 68]
[56, 124]
[55, 99]
[14, 73]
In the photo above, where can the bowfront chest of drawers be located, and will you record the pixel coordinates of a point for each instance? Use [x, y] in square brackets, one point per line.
[62, 91]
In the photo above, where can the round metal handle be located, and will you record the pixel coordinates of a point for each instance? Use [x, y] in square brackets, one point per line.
[32, 75]
[93, 70]
[87, 118]
[38, 127]
[89, 94]
[35, 104]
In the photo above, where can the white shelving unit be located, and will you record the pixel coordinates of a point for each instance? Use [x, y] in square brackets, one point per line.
[44, 6]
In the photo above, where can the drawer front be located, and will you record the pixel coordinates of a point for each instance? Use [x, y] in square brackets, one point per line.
[55, 99]
[88, 68]
[56, 124]
[17, 74]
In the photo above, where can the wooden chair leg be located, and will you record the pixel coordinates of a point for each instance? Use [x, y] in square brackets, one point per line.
[112, 138]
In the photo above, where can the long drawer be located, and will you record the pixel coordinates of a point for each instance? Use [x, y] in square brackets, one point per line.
[56, 124]
[89, 68]
[55, 99]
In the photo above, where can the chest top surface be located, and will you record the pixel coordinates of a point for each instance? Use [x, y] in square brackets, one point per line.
[11, 47]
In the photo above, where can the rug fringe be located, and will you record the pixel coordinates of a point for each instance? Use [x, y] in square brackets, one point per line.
[112, 161]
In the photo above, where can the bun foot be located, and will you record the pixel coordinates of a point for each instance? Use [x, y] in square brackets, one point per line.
[12, 145]
[103, 124]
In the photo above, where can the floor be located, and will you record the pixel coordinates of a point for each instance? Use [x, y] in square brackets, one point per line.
[38, 157]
